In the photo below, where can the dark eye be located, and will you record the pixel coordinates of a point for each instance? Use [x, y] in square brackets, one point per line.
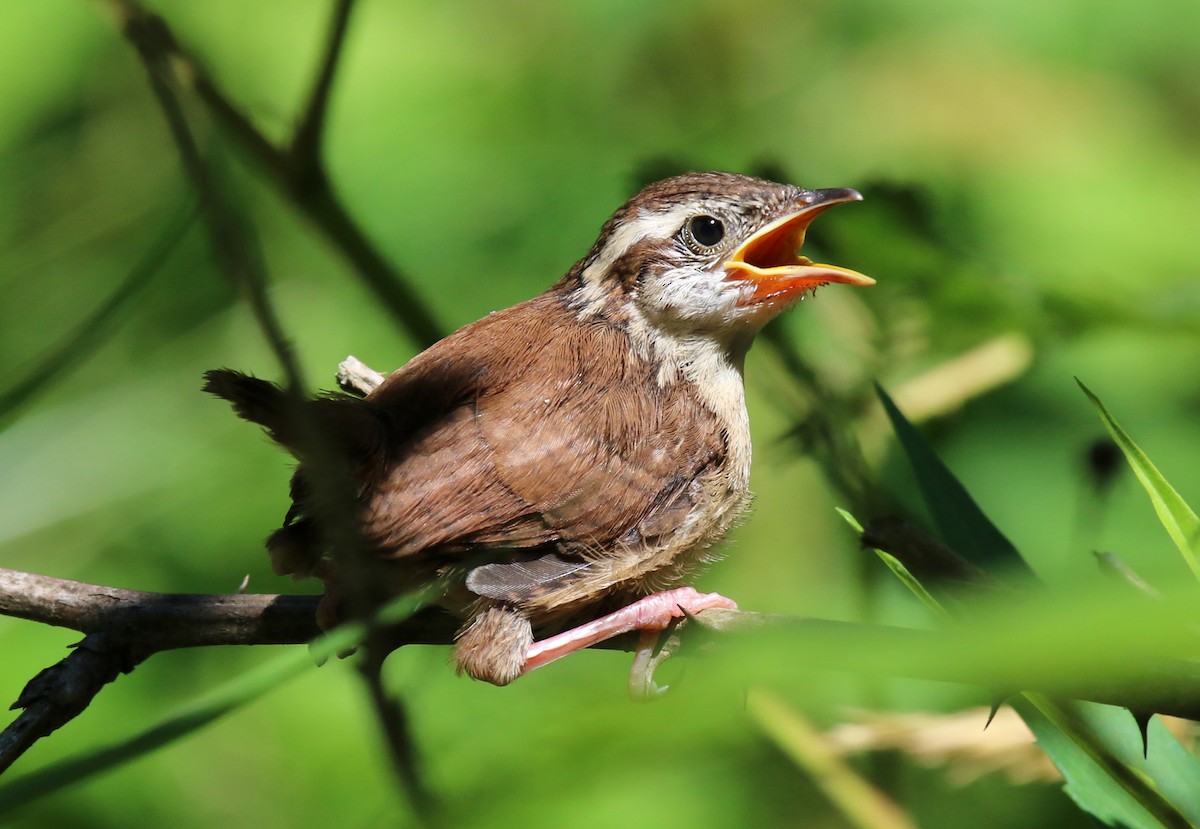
[706, 231]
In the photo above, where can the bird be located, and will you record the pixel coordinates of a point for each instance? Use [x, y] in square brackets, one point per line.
[570, 463]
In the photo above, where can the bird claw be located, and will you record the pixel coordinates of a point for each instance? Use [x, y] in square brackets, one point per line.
[642, 687]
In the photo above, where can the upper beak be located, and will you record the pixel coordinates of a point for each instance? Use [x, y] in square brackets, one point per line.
[770, 260]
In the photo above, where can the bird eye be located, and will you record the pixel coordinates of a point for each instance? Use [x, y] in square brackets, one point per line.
[706, 231]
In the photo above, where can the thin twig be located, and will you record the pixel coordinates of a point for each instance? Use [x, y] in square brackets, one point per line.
[236, 250]
[357, 378]
[333, 496]
[393, 717]
[315, 198]
[305, 149]
[239, 256]
[85, 339]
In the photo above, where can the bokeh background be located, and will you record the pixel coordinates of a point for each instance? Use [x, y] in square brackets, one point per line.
[1032, 174]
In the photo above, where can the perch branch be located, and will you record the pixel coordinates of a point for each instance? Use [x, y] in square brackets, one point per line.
[124, 627]
[159, 621]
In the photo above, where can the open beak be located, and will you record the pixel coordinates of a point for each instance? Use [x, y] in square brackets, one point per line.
[770, 260]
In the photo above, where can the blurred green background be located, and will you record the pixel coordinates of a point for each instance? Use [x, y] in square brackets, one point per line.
[1032, 172]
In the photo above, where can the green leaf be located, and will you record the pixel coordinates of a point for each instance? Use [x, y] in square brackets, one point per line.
[899, 570]
[1097, 747]
[960, 522]
[1176, 516]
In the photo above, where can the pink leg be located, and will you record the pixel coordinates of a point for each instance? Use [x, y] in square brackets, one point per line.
[654, 612]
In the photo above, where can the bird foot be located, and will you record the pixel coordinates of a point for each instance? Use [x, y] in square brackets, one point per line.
[646, 659]
[652, 614]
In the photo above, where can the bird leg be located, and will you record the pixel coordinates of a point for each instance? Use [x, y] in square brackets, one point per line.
[651, 615]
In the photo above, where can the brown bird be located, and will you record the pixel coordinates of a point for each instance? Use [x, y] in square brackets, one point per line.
[573, 455]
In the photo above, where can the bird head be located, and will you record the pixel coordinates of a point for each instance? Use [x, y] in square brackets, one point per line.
[709, 253]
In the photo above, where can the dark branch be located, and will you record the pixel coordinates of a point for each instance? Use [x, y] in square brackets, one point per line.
[314, 198]
[135, 624]
[306, 142]
[235, 247]
[125, 627]
[61, 692]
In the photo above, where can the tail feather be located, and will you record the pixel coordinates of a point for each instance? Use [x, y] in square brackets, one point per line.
[255, 400]
[295, 548]
[354, 427]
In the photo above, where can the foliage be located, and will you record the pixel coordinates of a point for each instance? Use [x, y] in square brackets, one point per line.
[1030, 179]
[1092, 745]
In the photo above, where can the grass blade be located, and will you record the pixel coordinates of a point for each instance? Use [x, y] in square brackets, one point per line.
[862, 804]
[900, 571]
[1176, 516]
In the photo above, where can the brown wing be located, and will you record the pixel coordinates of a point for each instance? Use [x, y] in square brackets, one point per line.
[547, 454]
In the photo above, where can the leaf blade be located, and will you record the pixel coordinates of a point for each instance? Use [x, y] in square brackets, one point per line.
[960, 521]
[1177, 518]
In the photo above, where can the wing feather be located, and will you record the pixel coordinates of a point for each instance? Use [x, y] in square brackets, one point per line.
[529, 459]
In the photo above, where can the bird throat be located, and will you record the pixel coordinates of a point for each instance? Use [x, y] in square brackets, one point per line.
[712, 366]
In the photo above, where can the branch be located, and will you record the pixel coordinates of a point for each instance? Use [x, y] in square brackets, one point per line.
[125, 627]
[305, 186]
[306, 140]
[159, 621]
[332, 493]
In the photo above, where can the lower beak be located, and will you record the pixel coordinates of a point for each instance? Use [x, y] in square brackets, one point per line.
[770, 262]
